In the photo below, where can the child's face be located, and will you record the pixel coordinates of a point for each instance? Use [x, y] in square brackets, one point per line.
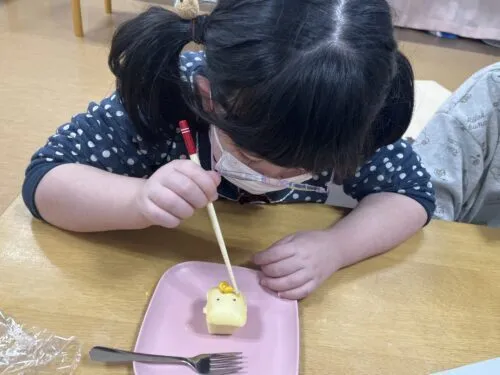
[259, 165]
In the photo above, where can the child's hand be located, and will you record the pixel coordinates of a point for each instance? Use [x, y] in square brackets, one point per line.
[174, 192]
[298, 264]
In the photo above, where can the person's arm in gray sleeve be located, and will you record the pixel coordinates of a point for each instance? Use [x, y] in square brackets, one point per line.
[454, 159]
[460, 146]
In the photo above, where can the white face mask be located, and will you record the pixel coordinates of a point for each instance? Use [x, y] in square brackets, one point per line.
[227, 162]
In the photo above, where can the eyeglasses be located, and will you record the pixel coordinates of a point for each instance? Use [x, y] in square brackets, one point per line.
[284, 184]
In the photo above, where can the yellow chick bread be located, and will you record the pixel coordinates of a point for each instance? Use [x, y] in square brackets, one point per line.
[225, 311]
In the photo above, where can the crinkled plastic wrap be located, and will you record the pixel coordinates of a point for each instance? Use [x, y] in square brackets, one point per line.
[31, 351]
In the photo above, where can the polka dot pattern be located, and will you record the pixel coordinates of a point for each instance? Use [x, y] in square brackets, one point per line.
[397, 169]
[104, 137]
[100, 137]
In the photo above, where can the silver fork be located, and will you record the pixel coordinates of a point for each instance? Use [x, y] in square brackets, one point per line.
[212, 364]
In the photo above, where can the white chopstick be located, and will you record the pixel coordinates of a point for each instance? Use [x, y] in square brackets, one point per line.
[218, 234]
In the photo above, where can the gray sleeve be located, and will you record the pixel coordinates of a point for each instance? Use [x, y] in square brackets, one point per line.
[459, 146]
[454, 159]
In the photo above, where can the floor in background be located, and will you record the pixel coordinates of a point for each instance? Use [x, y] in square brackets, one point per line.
[47, 75]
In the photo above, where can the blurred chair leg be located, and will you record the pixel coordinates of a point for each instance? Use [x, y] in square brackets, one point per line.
[107, 6]
[77, 18]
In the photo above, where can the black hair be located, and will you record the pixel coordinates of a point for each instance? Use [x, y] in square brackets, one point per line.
[310, 84]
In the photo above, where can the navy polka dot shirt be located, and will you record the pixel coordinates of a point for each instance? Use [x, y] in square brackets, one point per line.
[105, 138]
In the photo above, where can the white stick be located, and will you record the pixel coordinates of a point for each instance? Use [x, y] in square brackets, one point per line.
[218, 234]
[222, 245]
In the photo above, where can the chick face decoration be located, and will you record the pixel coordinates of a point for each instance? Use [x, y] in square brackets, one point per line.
[225, 311]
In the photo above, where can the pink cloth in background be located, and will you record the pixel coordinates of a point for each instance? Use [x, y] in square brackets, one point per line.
[479, 19]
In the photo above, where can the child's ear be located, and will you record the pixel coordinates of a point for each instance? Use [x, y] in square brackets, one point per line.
[203, 85]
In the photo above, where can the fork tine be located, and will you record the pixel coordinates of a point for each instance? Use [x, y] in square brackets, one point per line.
[227, 360]
[223, 355]
[229, 371]
[227, 365]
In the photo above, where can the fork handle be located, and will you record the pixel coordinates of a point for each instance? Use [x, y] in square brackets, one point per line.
[104, 354]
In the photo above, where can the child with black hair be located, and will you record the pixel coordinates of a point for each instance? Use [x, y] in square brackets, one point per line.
[303, 92]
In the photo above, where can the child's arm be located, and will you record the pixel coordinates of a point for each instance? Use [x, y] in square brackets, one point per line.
[88, 177]
[82, 198]
[396, 200]
[68, 180]
[379, 223]
[299, 263]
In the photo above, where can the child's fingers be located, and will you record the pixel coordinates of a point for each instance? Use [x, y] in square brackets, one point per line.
[215, 176]
[169, 201]
[282, 268]
[284, 240]
[188, 189]
[286, 283]
[298, 293]
[158, 216]
[206, 181]
[274, 254]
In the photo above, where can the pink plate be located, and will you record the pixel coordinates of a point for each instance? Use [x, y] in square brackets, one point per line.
[174, 323]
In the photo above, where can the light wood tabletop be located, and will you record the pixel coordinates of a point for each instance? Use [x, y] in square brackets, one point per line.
[429, 305]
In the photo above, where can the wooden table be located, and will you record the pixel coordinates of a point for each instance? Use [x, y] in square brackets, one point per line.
[431, 304]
